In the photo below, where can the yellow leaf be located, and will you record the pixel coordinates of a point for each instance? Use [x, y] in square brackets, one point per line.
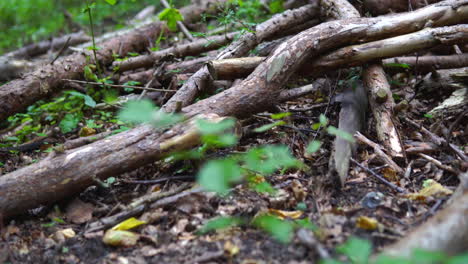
[286, 214]
[431, 189]
[367, 223]
[128, 224]
[120, 238]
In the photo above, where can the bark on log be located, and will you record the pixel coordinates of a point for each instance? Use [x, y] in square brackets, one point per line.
[359, 54]
[404, 44]
[182, 50]
[141, 145]
[381, 102]
[380, 7]
[275, 25]
[430, 63]
[189, 66]
[229, 69]
[18, 94]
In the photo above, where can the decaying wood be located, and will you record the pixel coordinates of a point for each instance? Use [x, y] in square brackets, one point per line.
[429, 63]
[20, 93]
[69, 173]
[381, 102]
[446, 232]
[268, 29]
[13, 68]
[193, 48]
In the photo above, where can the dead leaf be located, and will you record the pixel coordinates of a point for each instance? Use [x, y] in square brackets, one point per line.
[120, 238]
[431, 188]
[367, 223]
[79, 212]
[286, 214]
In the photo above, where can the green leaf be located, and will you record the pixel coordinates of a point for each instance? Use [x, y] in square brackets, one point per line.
[306, 223]
[276, 6]
[89, 101]
[219, 141]
[264, 187]
[268, 126]
[111, 2]
[313, 146]
[218, 224]
[340, 133]
[171, 16]
[268, 159]
[357, 250]
[398, 65]
[69, 122]
[323, 120]
[207, 127]
[280, 115]
[137, 112]
[89, 74]
[217, 175]
[279, 229]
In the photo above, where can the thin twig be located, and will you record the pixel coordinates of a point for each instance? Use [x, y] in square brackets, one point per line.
[378, 150]
[159, 180]
[121, 86]
[61, 51]
[438, 163]
[382, 179]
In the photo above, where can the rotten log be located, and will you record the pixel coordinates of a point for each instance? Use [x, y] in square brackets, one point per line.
[53, 179]
[16, 95]
[430, 62]
[272, 27]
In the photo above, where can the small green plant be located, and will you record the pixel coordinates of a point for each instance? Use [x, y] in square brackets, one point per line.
[171, 15]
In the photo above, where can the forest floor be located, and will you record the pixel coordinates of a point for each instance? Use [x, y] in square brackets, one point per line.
[323, 216]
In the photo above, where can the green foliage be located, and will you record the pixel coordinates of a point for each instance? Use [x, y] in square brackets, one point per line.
[313, 146]
[171, 16]
[267, 159]
[340, 133]
[357, 250]
[25, 21]
[279, 229]
[145, 111]
[218, 175]
[219, 223]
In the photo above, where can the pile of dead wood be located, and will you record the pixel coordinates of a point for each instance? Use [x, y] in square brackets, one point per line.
[311, 40]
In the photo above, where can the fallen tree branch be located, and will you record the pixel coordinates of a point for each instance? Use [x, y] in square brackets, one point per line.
[429, 63]
[16, 95]
[69, 173]
[193, 48]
